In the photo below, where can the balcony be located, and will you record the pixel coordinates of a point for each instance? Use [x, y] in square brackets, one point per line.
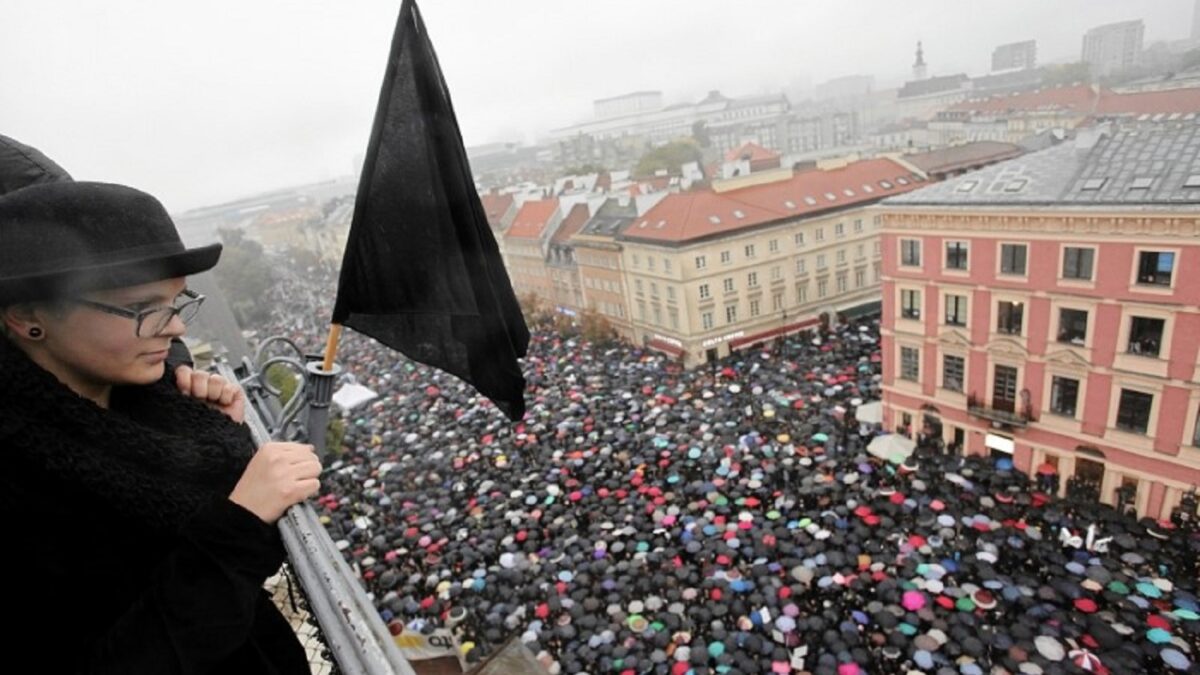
[999, 417]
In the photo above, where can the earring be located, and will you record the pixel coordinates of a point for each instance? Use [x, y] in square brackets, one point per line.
[35, 332]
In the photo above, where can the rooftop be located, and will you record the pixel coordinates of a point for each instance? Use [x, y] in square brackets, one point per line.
[961, 156]
[531, 220]
[691, 216]
[1135, 163]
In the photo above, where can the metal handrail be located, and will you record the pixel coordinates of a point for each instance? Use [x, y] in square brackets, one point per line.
[352, 628]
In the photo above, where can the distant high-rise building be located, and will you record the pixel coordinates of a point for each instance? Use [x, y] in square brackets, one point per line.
[1113, 47]
[1196, 22]
[1015, 55]
[919, 64]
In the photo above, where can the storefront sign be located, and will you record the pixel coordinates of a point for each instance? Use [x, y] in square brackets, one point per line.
[723, 338]
[1000, 443]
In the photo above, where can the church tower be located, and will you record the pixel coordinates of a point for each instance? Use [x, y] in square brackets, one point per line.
[919, 64]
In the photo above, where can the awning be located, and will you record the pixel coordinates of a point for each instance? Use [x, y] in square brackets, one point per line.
[773, 333]
[865, 309]
[665, 347]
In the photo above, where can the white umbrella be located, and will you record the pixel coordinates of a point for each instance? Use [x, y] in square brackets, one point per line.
[870, 413]
[889, 445]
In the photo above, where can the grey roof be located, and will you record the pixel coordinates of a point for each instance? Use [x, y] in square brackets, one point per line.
[610, 218]
[1148, 163]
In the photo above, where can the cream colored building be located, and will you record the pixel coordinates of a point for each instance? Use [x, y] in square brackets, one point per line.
[757, 258]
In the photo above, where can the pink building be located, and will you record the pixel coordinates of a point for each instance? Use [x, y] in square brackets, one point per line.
[1048, 307]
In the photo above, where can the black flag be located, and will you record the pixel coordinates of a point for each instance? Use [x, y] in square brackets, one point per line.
[421, 272]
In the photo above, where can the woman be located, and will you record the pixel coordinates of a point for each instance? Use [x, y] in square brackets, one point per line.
[141, 523]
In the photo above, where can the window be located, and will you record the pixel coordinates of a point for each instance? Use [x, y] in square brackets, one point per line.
[637, 262]
[637, 286]
[910, 364]
[821, 261]
[657, 315]
[753, 308]
[956, 310]
[859, 252]
[706, 320]
[910, 252]
[674, 314]
[875, 248]
[822, 288]
[1077, 263]
[1155, 267]
[703, 291]
[841, 282]
[839, 230]
[666, 264]
[776, 273]
[858, 224]
[1009, 315]
[1012, 258]
[641, 310]
[728, 284]
[650, 263]
[777, 301]
[1196, 431]
[653, 289]
[1145, 336]
[1072, 326]
[749, 250]
[1064, 391]
[841, 256]
[801, 294]
[670, 293]
[910, 304]
[726, 257]
[752, 279]
[701, 262]
[860, 277]
[800, 266]
[730, 313]
[820, 235]
[773, 246]
[798, 238]
[1133, 411]
[956, 255]
[952, 372]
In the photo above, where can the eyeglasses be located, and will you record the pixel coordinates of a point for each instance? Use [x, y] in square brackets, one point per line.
[153, 321]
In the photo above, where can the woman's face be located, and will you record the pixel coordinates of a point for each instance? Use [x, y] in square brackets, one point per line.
[96, 348]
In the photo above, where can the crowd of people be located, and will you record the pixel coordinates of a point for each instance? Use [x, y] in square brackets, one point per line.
[646, 518]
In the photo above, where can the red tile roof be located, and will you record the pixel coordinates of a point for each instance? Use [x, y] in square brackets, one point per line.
[495, 206]
[532, 218]
[573, 223]
[1150, 102]
[1083, 99]
[1080, 98]
[755, 151]
[688, 216]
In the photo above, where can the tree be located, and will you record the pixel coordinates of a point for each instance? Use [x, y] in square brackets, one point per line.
[596, 329]
[670, 157]
[244, 277]
[700, 134]
[1066, 74]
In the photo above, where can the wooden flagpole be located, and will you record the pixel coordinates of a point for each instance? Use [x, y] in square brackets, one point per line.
[331, 347]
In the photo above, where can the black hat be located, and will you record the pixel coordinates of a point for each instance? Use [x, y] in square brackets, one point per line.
[64, 238]
[22, 166]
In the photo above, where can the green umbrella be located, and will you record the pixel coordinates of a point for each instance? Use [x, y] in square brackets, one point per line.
[820, 437]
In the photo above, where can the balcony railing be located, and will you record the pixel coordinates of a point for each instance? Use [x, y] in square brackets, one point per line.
[978, 408]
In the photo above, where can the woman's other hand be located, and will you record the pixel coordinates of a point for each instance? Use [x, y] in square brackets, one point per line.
[278, 476]
[214, 390]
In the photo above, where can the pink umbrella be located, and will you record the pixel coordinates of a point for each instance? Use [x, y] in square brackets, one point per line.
[912, 600]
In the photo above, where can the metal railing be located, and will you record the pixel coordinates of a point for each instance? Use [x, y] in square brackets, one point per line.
[352, 628]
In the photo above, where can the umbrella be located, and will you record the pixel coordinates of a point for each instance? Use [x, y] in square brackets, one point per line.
[870, 413]
[890, 445]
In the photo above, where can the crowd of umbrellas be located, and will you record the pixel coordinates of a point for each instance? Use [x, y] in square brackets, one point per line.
[645, 518]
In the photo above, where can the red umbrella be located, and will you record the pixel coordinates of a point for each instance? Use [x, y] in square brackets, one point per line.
[1047, 469]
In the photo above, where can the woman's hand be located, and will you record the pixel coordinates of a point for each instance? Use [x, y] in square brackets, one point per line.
[214, 390]
[278, 475]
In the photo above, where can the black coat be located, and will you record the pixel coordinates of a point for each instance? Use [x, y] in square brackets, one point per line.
[125, 554]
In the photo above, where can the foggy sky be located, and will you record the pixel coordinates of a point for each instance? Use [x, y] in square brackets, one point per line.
[204, 102]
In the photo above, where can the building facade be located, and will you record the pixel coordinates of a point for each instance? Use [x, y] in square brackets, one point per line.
[1047, 308]
[526, 244]
[1015, 55]
[1113, 47]
[756, 258]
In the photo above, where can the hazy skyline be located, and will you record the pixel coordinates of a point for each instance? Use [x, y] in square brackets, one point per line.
[205, 103]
